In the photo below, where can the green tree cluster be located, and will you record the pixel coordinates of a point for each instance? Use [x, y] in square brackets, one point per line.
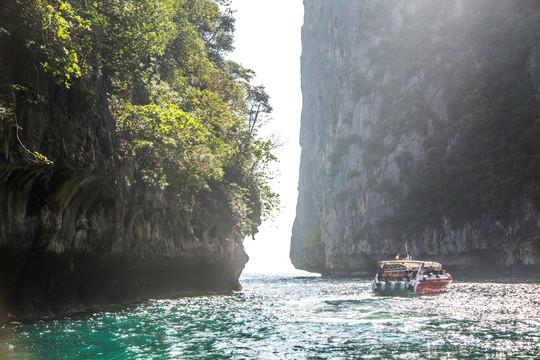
[184, 113]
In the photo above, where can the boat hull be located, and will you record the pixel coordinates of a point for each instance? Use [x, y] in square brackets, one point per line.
[432, 286]
[421, 287]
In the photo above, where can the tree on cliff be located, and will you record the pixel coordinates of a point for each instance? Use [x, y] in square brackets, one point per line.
[182, 110]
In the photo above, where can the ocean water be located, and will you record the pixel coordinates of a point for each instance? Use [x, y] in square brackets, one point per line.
[297, 317]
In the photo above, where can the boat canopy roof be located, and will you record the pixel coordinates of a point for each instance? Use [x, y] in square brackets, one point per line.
[407, 265]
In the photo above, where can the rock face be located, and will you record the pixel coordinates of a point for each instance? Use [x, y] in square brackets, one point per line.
[75, 233]
[381, 81]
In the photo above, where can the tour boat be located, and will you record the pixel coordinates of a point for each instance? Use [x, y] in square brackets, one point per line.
[410, 277]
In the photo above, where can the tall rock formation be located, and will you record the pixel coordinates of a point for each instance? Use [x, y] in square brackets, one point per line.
[82, 231]
[419, 135]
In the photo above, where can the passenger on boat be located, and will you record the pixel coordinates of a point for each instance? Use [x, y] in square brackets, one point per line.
[411, 278]
[380, 275]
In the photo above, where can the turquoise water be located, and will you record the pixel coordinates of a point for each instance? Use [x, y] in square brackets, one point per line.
[291, 317]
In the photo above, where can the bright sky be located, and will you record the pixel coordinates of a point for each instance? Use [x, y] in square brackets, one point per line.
[267, 40]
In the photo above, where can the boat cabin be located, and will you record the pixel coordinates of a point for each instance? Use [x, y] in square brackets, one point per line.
[397, 270]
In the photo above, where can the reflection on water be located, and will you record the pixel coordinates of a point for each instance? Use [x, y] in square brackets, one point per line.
[287, 317]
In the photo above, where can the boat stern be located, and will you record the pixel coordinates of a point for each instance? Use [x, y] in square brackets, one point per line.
[432, 285]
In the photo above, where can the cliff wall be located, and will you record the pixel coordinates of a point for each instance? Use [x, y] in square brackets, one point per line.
[77, 228]
[415, 117]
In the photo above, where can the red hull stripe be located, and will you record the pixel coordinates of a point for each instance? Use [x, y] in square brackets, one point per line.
[431, 287]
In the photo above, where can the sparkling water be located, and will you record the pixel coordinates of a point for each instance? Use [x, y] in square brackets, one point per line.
[297, 317]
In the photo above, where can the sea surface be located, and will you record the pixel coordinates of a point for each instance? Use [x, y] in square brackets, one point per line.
[297, 317]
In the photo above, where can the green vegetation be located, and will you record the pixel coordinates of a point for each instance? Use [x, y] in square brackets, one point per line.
[187, 118]
[353, 174]
[341, 149]
[481, 151]
[341, 197]
[312, 238]
[361, 85]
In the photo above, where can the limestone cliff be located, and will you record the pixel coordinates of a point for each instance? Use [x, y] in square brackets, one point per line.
[82, 231]
[415, 117]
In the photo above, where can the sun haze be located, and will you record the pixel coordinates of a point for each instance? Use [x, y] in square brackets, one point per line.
[267, 40]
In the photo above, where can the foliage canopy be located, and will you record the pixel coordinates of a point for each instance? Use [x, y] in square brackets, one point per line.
[185, 121]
